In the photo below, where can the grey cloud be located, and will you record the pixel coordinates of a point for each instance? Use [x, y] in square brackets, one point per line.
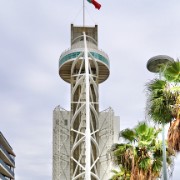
[32, 36]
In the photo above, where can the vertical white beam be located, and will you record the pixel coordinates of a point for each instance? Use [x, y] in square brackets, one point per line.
[87, 132]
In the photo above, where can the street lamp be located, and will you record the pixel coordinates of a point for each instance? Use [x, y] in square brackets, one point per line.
[154, 65]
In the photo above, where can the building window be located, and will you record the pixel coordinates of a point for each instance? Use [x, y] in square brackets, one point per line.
[65, 122]
[57, 121]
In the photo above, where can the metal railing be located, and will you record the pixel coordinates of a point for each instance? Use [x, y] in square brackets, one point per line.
[73, 53]
[7, 154]
[7, 168]
[4, 139]
[2, 177]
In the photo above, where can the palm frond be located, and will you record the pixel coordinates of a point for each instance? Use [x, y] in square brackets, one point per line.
[156, 85]
[161, 100]
[121, 174]
[157, 165]
[128, 135]
[145, 163]
[172, 72]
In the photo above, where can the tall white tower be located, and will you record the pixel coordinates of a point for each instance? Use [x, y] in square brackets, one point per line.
[83, 136]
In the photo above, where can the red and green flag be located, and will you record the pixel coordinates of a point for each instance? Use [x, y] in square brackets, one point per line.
[95, 3]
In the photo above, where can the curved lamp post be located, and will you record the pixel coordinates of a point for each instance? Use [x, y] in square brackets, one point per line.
[154, 65]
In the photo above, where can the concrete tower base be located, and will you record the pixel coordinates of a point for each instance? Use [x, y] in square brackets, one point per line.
[108, 134]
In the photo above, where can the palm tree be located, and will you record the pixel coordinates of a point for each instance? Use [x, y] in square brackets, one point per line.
[141, 155]
[164, 102]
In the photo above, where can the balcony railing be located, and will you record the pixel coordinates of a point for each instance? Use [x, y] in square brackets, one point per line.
[2, 177]
[7, 168]
[74, 53]
[7, 154]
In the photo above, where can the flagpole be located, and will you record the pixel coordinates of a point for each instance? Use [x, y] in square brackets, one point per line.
[83, 13]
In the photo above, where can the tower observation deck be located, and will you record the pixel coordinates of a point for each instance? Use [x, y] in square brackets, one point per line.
[76, 52]
[83, 135]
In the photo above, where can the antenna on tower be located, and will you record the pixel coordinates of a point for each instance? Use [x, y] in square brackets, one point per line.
[96, 5]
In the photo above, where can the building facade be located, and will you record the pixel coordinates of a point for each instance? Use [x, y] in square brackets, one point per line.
[82, 137]
[7, 160]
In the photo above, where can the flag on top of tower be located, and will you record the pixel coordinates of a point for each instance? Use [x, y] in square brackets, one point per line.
[95, 3]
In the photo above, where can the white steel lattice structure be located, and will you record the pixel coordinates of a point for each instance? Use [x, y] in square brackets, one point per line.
[108, 134]
[80, 140]
[61, 144]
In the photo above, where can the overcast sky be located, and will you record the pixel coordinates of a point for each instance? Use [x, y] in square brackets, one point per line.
[33, 34]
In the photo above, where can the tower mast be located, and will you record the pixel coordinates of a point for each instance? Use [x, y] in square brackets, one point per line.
[83, 135]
